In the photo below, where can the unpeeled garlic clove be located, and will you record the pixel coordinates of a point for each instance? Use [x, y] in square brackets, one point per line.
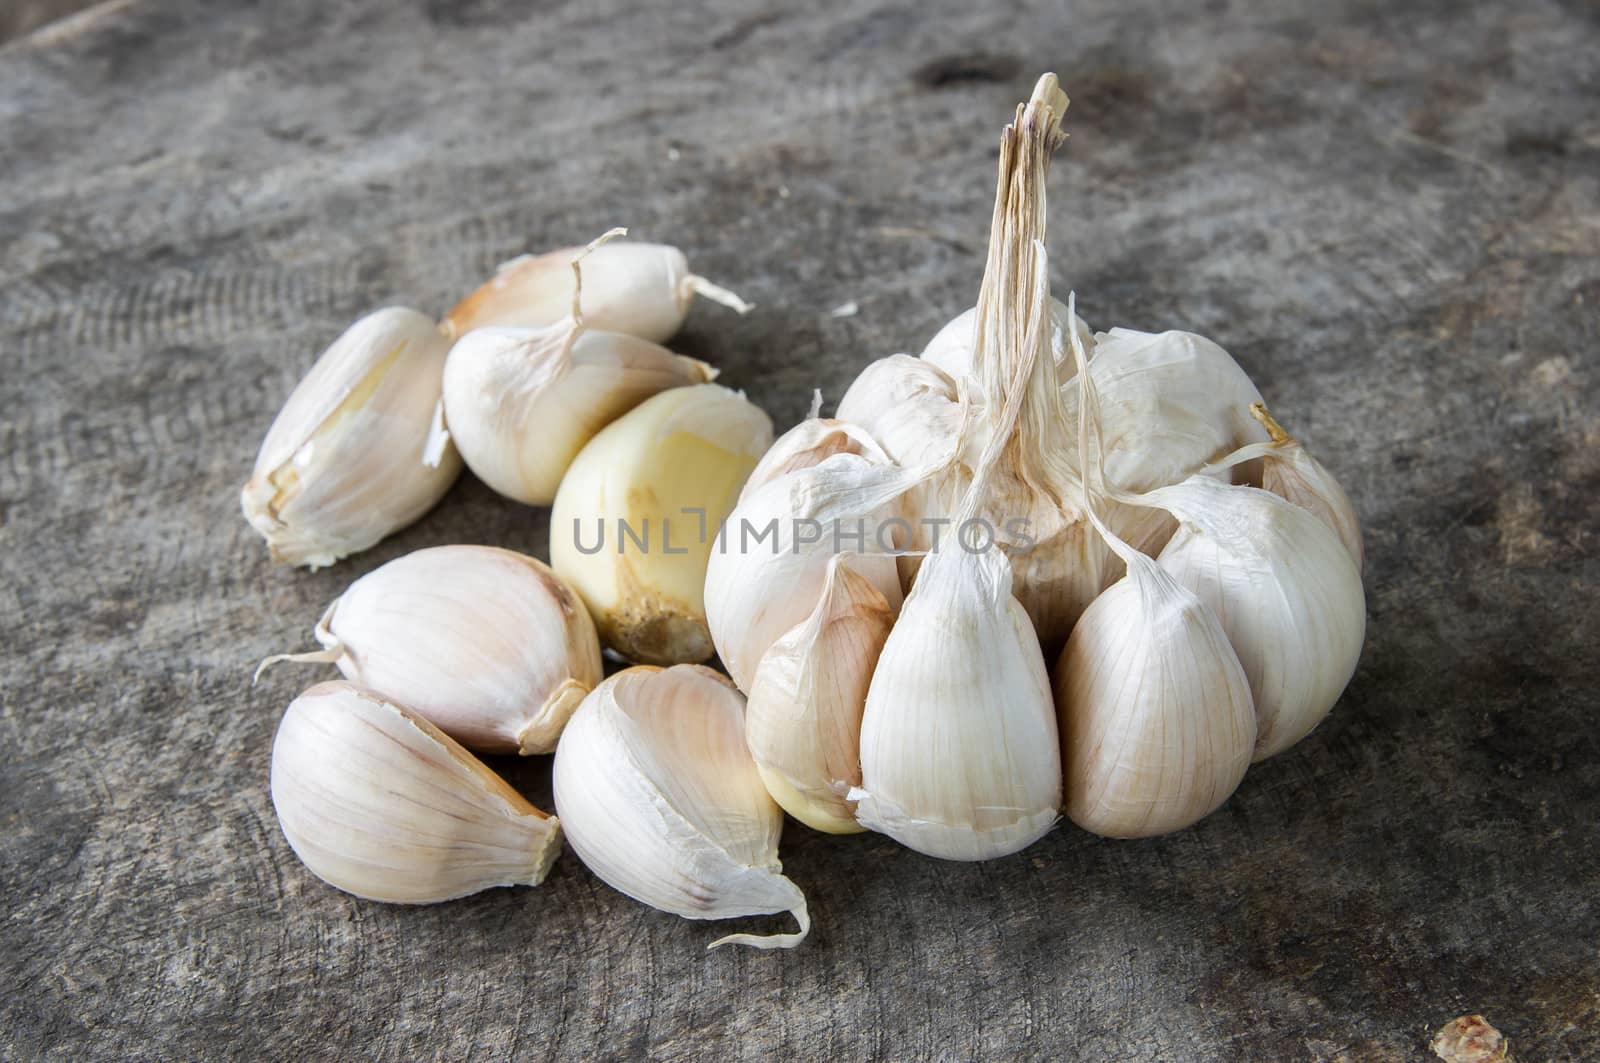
[810, 443]
[803, 720]
[380, 803]
[659, 797]
[490, 645]
[1290, 472]
[522, 402]
[637, 514]
[951, 347]
[1285, 590]
[642, 290]
[356, 452]
[959, 753]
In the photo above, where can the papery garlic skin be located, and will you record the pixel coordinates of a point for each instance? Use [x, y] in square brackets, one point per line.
[490, 645]
[1157, 723]
[803, 719]
[522, 402]
[659, 797]
[355, 453]
[759, 586]
[378, 802]
[637, 514]
[960, 757]
[643, 290]
[808, 444]
[951, 347]
[1285, 590]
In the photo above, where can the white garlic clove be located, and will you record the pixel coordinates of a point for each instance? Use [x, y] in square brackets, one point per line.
[959, 753]
[637, 514]
[1290, 472]
[521, 403]
[659, 797]
[768, 568]
[1286, 593]
[809, 443]
[347, 461]
[951, 347]
[910, 407]
[378, 802]
[803, 720]
[642, 290]
[490, 645]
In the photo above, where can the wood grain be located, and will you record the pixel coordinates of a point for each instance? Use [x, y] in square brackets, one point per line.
[1389, 213]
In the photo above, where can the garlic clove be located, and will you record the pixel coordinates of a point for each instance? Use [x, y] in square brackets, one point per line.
[959, 753]
[643, 290]
[378, 802]
[803, 720]
[637, 514]
[522, 402]
[346, 462]
[768, 569]
[910, 407]
[490, 645]
[951, 347]
[1285, 590]
[1290, 472]
[809, 443]
[1157, 724]
[660, 799]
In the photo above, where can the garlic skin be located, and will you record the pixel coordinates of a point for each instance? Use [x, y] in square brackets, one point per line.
[378, 802]
[1157, 722]
[490, 645]
[356, 452]
[667, 473]
[642, 290]
[660, 799]
[759, 586]
[959, 752]
[803, 719]
[810, 443]
[951, 347]
[1285, 590]
[522, 402]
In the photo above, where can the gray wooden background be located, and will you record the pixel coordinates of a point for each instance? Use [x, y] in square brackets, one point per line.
[1390, 213]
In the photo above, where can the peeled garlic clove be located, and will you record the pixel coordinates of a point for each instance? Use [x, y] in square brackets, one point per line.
[1285, 590]
[490, 645]
[809, 443]
[1290, 472]
[951, 347]
[521, 403]
[380, 803]
[1156, 718]
[959, 753]
[767, 570]
[356, 452]
[803, 721]
[642, 290]
[660, 798]
[637, 513]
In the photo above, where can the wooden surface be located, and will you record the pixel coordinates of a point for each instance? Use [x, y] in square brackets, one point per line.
[1389, 213]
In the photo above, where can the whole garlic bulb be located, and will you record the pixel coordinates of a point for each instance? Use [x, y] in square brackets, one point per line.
[641, 290]
[357, 451]
[521, 402]
[635, 520]
[660, 798]
[490, 645]
[380, 803]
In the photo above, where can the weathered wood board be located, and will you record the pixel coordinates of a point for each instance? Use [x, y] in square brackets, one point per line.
[1389, 213]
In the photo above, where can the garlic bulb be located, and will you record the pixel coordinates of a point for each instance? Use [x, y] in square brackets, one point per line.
[380, 803]
[1287, 594]
[809, 443]
[803, 720]
[642, 290]
[768, 568]
[659, 797]
[490, 645]
[1157, 721]
[635, 518]
[356, 452]
[521, 402]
